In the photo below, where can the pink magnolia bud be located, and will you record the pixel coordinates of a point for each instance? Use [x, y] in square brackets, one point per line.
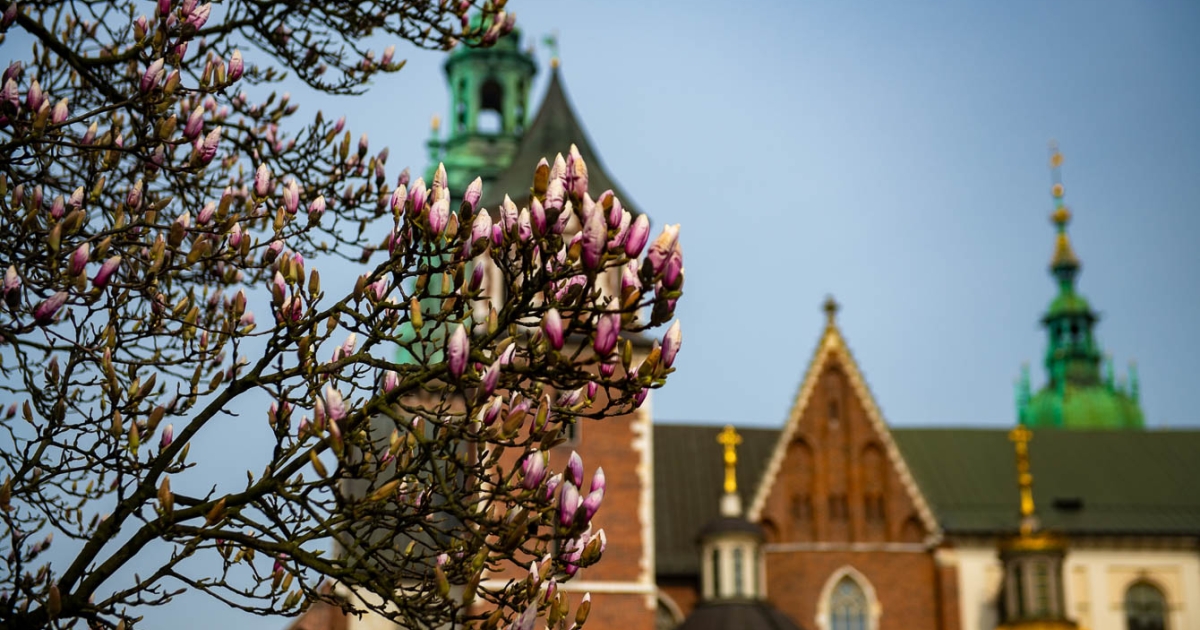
[537, 217]
[598, 481]
[622, 230]
[629, 279]
[339, 125]
[671, 343]
[10, 15]
[398, 197]
[335, 406]
[57, 208]
[673, 272]
[552, 325]
[474, 192]
[490, 376]
[134, 198]
[208, 149]
[661, 248]
[185, 220]
[363, 144]
[45, 312]
[592, 503]
[574, 473]
[533, 470]
[607, 368]
[79, 259]
[235, 235]
[11, 94]
[153, 74]
[555, 194]
[164, 7]
[206, 214]
[60, 113]
[388, 53]
[439, 216]
[195, 124]
[457, 351]
[595, 237]
[76, 200]
[34, 97]
[639, 233]
[493, 411]
[497, 233]
[262, 180]
[417, 195]
[199, 16]
[577, 175]
[291, 196]
[591, 388]
[552, 484]
[477, 273]
[12, 281]
[316, 208]
[640, 397]
[608, 328]
[568, 503]
[168, 434]
[106, 271]
[236, 66]
[506, 357]
[524, 226]
[391, 381]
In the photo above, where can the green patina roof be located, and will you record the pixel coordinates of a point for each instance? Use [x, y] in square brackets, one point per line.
[1130, 483]
[1096, 407]
[1068, 303]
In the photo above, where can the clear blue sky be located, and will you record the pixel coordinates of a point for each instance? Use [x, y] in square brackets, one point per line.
[891, 153]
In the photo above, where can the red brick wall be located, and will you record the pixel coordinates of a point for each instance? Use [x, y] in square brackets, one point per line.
[904, 585]
[836, 483]
[685, 593]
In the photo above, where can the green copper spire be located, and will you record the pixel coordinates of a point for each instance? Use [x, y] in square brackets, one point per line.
[1076, 395]
[489, 95]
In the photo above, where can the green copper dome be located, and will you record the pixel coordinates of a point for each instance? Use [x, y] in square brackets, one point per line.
[1075, 395]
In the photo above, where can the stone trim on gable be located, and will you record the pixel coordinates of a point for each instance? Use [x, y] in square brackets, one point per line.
[833, 345]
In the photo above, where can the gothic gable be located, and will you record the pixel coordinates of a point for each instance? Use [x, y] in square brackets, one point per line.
[835, 475]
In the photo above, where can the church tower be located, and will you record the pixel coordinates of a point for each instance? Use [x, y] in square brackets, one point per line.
[1076, 396]
[489, 95]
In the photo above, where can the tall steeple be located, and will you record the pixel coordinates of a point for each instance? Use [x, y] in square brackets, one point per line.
[1075, 395]
[489, 97]
[1032, 595]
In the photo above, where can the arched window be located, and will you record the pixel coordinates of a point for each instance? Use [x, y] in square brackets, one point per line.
[1145, 607]
[848, 608]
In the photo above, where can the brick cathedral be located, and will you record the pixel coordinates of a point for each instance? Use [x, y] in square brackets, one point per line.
[836, 520]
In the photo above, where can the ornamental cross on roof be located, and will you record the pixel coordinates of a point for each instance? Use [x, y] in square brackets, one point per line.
[730, 439]
[1020, 437]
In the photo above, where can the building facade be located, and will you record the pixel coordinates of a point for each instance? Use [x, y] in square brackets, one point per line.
[844, 522]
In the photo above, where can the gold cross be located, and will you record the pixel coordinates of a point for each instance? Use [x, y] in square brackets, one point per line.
[730, 439]
[1020, 437]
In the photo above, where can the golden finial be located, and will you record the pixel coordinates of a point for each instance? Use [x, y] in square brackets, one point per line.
[1064, 255]
[436, 123]
[730, 439]
[1020, 437]
[831, 309]
[551, 42]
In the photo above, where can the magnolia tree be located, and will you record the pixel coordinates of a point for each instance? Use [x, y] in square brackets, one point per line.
[160, 231]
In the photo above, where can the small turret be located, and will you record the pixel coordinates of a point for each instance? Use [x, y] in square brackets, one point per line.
[1075, 396]
[1032, 596]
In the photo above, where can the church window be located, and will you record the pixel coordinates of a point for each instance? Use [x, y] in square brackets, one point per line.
[801, 507]
[491, 106]
[460, 106]
[1041, 588]
[716, 573]
[838, 509]
[848, 606]
[873, 507]
[1145, 607]
[739, 573]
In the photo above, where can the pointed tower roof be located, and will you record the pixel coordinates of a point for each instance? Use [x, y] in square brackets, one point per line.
[553, 131]
[1075, 396]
